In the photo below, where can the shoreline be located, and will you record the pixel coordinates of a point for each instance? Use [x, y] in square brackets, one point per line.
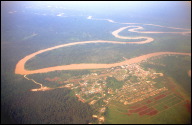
[20, 66]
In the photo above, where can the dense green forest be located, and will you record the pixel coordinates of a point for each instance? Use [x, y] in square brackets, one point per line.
[56, 106]
[114, 83]
[106, 52]
[18, 103]
[176, 66]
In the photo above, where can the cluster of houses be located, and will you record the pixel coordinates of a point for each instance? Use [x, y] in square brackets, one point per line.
[93, 87]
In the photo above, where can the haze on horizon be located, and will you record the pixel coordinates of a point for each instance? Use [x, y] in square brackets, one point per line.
[178, 11]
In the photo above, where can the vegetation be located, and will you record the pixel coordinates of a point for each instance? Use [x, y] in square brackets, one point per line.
[113, 83]
[55, 106]
[176, 66]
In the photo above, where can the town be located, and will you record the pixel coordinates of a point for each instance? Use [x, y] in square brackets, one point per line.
[126, 84]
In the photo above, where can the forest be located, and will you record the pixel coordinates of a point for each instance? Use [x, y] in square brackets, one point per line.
[176, 66]
[57, 106]
[114, 83]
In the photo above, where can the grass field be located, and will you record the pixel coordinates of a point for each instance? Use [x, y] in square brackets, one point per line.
[176, 113]
[169, 107]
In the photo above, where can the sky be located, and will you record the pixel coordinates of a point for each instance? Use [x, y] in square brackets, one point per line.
[175, 12]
